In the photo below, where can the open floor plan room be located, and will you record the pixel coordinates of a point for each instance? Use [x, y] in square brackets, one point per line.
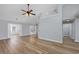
[39, 28]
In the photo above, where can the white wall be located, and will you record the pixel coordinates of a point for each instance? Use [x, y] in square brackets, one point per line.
[50, 27]
[4, 28]
[77, 30]
[73, 30]
[25, 29]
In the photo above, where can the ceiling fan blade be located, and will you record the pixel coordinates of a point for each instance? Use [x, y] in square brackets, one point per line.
[23, 13]
[32, 13]
[24, 10]
[30, 10]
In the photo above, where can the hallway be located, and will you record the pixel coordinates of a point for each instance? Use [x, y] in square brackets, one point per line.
[32, 45]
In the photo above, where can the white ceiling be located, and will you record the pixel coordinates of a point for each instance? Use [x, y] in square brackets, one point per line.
[69, 11]
[12, 11]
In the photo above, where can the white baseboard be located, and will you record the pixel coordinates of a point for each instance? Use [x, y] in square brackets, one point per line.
[3, 38]
[25, 35]
[50, 40]
[76, 41]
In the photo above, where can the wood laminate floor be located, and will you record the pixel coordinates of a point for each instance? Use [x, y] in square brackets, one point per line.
[32, 45]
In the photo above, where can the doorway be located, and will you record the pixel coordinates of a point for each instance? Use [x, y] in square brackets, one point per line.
[68, 33]
[32, 30]
[14, 29]
[67, 30]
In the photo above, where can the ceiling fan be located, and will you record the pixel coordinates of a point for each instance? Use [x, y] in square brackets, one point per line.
[28, 12]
